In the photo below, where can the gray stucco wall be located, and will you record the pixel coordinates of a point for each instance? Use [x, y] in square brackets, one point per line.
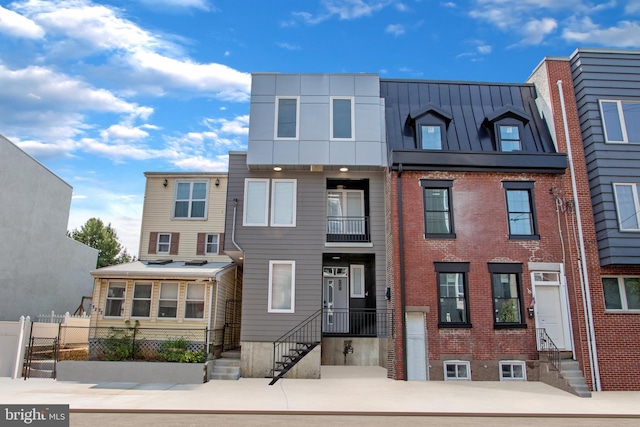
[612, 75]
[40, 268]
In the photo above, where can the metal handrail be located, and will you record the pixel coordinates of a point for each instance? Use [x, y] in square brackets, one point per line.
[348, 229]
[309, 331]
[547, 346]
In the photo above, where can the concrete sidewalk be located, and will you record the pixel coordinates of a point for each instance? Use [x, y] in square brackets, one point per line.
[341, 390]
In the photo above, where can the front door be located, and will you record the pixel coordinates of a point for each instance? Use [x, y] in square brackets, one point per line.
[551, 310]
[336, 300]
[416, 348]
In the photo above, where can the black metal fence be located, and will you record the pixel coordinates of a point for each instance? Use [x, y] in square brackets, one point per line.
[548, 348]
[40, 358]
[348, 229]
[354, 322]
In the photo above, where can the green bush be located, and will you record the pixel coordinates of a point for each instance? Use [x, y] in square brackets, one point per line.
[120, 343]
[176, 351]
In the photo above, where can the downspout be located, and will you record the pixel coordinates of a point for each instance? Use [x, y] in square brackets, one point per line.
[211, 282]
[21, 346]
[582, 266]
[402, 278]
[233, 226]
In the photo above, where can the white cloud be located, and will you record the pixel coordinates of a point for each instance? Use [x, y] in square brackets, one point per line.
[123, 132]
[395, 29]
[449, 4]
[484, 49]
[633, 6]
[625, 35]
[16, 25]
[343, 10]
[187, 4]
[237, 126]
[536, 30]
[288, 46]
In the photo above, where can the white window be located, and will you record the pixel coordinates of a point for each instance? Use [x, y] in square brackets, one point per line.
[628, 206]
[357, 281]
[168, 304]
[283, 203]
[212, 243]
[345, 212]
[457, 370]
[141, 306]
[194, 303]
[512, 370]
[621, 121]
[342, 118]
[621, 293]
[256, 200]
[191, 199]
[115, 299]
[282, 286]
[164, 243]
[287, 113]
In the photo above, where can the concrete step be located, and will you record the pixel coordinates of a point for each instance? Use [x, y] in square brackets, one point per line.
[224, 377]
[40, 373]
[227, 362]
[225, 369]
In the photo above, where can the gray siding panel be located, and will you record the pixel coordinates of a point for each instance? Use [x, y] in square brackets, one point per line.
[601, 74]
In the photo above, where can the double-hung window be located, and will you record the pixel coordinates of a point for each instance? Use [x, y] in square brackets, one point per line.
[168, 303]
[453, 300]
[621, 293]
[507, 300]
[627, 198]
[509, 137]
[115, 299]
[194, 302]
[621, 120]
[456, 370]
[212, 243]
[520, 210]
[283, 203]
[438, 208]
[191, 199]
[431, 137]
[141, 306]
[281, 298]
[287, 113]
[164, 243]
[342, 118]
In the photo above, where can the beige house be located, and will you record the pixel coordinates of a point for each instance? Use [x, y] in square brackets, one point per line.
[182, 283]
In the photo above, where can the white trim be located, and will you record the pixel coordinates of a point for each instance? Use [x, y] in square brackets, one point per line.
[264, 222]
[123, 299]
[457, 363]
[561, 284]
[187, 300]
[293, 206]
[513, 363]
[622, 289]
[134, 299]
[352, 275]
[190, 200]
[168, 251]
[275, 126]
[621, 120]
[353, 121]
[177, 301]
[206, 243]
[635, 188]
[270, 309]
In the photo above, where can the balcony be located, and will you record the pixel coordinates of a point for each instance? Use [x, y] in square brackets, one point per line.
[348, 229]
[363, 322]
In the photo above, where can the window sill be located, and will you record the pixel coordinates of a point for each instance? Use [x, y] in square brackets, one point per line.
[622, 311]
[432, 236]
[454, 325]
[510, 326]
[524, 237]
[347, 245]
[180, 218]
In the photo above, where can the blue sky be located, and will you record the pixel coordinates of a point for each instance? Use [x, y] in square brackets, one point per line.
[100, 92]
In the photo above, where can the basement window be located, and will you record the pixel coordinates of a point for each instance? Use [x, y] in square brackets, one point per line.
[512, 370]
[457, 370]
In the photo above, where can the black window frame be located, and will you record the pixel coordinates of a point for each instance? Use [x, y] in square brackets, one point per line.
[435, 184]
[527, 186]
[433, 122]
[461, 268]
[508, 123]
[510, 269]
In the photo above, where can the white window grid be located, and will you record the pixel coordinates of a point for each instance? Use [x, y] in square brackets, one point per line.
[164, 243]
[122, 285]
[212, 242]
[136, 299]
[191, 200]
[515, 370]
[462, 371]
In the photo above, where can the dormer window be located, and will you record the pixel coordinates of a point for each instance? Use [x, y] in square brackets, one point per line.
[430, 126]
[509, 138]
[508, 127]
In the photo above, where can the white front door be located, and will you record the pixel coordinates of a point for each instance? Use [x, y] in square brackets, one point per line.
[336, 300]
[551, 309]
[416, 347]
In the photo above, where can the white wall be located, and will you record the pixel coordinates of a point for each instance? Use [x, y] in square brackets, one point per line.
[40, 268]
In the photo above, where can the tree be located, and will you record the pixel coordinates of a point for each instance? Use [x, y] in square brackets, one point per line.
[94, 233]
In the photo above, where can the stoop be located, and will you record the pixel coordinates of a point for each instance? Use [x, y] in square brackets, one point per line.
[225, 368]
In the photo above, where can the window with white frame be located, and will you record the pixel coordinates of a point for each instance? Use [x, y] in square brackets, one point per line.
[114, 306]
[191, 199]
[283, 203]
[141, 306]
[211, 245]
[621, 293]
[342, 118]
[287, 113]
[168, 303]
[627, 197]
[194, 302]
[456, 370]
[621, 121]
[256, 201]
[164, 243]
[282, 286]
[512, 370]
[357, 281]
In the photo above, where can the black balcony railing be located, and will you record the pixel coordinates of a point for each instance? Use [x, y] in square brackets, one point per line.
[348, 229]
[354, 322]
